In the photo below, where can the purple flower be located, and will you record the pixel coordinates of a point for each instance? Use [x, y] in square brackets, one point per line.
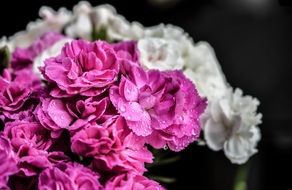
[128, 54]
[15, 89]
[31, 142]
[85, 68]
[24, 57]
[8, 161]
[31, 134]
[69, 176]
[113, 147]
[131, 181]
[163, 107]
[86, 110]
[58, 114]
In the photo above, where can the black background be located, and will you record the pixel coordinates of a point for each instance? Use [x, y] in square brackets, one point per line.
[253, 43]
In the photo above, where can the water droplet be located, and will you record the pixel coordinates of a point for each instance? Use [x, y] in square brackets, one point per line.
[163, 122]
[194, 132]
[181, 118]
[122, 109]
[128, 90]
[165, 147]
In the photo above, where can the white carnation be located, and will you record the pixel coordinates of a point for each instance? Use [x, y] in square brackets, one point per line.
[231, 124]
[164, 47]
[174, 35]
[80, 25]
[156, 53]
[205, 72]
[87, 19]
[116, 26]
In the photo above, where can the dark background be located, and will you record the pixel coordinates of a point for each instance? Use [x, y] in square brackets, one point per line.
[253, 43]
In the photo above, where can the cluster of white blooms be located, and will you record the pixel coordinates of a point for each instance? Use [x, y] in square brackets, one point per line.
[231, 119]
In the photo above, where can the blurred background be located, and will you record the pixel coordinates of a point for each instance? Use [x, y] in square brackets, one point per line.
[253, 42]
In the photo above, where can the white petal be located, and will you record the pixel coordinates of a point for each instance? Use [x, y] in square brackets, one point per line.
[215, 134]
[239, 148]
[160, 54]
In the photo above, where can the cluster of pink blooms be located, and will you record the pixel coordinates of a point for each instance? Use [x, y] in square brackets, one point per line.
[89, 123]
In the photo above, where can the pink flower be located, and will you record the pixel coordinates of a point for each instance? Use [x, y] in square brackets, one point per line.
[85, 68]
[15, 89]
[59, 114]
[131, 181]
[31, 142]
[32, 161]
[24, 57]
[31, 134]
[8, 161]
[113, 147]
[163, 107]
[86, 110]
[128, 53]
[69, 176]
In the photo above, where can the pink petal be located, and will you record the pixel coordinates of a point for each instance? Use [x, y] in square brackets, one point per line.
[57, 111]
[130, 91]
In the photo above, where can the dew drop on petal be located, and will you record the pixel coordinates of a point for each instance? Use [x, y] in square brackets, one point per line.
[165, 147]
[122, 109]
[194, 132]
[181, 118]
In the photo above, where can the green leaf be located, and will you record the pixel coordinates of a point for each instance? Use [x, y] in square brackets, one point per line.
[4, 58]
[162, 179]
[164, 161]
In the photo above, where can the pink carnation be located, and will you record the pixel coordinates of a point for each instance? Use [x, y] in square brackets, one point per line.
[131, 181]
[85, 68]
[58, 114]
[163, 107]
[128, 54]
[15, 89]
[31, 134]
[8, 162]
[113, 147]
[69, 176]
[31, 142]
[23, 57]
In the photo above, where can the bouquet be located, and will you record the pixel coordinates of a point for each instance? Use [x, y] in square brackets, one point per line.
[86, 97]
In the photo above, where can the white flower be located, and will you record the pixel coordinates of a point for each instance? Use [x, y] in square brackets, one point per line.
[116, 26]
[205, 72]
[231, 124]
[156, 53]
[87, 19]
[4, 42]
[81, 25]
[171, 33]
[230, 120]
[50, 21]
[165, 47]
[52, 51]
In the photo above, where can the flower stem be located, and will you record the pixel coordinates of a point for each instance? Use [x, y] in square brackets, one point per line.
[241, 178]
